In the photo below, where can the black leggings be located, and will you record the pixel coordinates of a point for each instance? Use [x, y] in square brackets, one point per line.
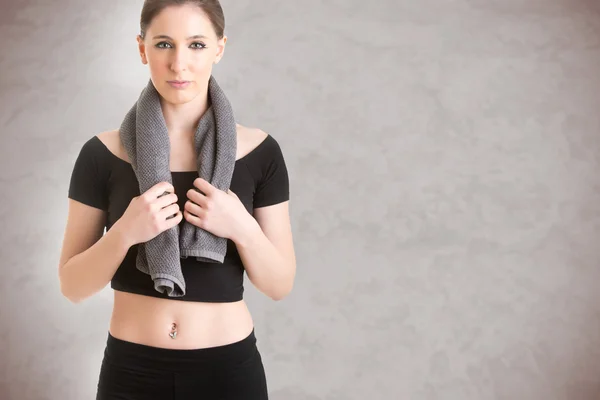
[132, 371]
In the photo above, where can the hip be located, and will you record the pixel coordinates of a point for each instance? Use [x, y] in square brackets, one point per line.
[232, 371]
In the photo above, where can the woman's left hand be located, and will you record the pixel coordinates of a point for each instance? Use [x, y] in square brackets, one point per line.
[221, 213]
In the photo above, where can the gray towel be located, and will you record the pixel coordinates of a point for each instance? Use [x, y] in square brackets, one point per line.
[144, 135]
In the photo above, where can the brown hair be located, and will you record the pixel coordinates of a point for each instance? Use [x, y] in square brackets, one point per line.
[212, 8]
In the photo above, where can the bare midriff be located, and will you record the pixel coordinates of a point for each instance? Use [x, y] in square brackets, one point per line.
[177, 324]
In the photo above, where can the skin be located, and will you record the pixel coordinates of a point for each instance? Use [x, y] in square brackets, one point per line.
[263, 239]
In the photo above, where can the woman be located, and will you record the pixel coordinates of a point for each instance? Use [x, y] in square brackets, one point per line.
[201, 343]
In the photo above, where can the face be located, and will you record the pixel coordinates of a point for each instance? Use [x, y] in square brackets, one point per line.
[180, 49]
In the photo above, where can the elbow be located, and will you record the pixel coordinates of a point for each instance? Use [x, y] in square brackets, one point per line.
[278, 297]
[68, 293]
[74, 299]
[70, 296]
[284, 288]
[276, 289]
[281, 294]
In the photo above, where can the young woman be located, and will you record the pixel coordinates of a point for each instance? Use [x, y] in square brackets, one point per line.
[199, 345]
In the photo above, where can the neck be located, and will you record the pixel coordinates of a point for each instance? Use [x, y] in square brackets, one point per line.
[182, 119]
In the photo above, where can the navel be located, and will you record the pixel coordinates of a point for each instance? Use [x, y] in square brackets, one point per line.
[173, 333]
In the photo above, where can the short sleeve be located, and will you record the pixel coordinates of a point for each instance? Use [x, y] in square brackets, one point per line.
[87, 184]
[273, 187]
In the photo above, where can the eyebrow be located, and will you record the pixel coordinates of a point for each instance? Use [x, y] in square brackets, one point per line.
[170, 38]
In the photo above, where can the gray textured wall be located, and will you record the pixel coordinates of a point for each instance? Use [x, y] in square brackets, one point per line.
[443, 157]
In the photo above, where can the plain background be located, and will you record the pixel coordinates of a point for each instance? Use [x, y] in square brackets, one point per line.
[443, 158]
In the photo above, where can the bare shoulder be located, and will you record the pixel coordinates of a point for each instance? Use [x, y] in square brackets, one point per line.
[112, 141]
[248, 138]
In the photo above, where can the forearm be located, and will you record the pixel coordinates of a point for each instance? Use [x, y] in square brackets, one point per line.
[266, 268]
[90, 271]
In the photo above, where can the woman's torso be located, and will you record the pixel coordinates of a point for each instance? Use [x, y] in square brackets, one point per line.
[150, 320]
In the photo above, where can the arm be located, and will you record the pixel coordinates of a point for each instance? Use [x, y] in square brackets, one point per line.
[267, 251]
[88, 258]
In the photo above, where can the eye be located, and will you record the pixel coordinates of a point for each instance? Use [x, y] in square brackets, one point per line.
[195, 45]
[200, 45]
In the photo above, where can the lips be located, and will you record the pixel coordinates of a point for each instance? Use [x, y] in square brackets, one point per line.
[179, 84]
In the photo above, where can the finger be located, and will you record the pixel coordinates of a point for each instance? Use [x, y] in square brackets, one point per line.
[197, 197]
[204, 186]
[233, 194]
[164, 201]
[193, 209]
[192, 219]
[168, 211]
[175, 220]
[159, 189]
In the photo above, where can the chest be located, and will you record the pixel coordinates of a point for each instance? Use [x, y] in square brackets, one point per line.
[183, 157]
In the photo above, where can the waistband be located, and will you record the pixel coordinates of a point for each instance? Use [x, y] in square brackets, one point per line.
[120, 351]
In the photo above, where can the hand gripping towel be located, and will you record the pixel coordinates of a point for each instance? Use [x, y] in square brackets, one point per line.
[144, 135]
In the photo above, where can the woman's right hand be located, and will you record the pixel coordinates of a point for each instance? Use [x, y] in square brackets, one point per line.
[148, 214]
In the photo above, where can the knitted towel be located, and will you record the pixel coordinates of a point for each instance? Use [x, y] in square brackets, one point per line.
[144, 135]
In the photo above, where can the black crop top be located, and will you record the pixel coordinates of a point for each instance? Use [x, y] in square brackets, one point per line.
[102, 180]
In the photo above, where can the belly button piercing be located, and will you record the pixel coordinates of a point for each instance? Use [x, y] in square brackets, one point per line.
[173, 333]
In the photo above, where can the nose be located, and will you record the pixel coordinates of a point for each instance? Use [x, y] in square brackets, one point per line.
[179, 61]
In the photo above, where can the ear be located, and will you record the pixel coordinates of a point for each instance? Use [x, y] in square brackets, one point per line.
[220, 49]
[142, 49]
